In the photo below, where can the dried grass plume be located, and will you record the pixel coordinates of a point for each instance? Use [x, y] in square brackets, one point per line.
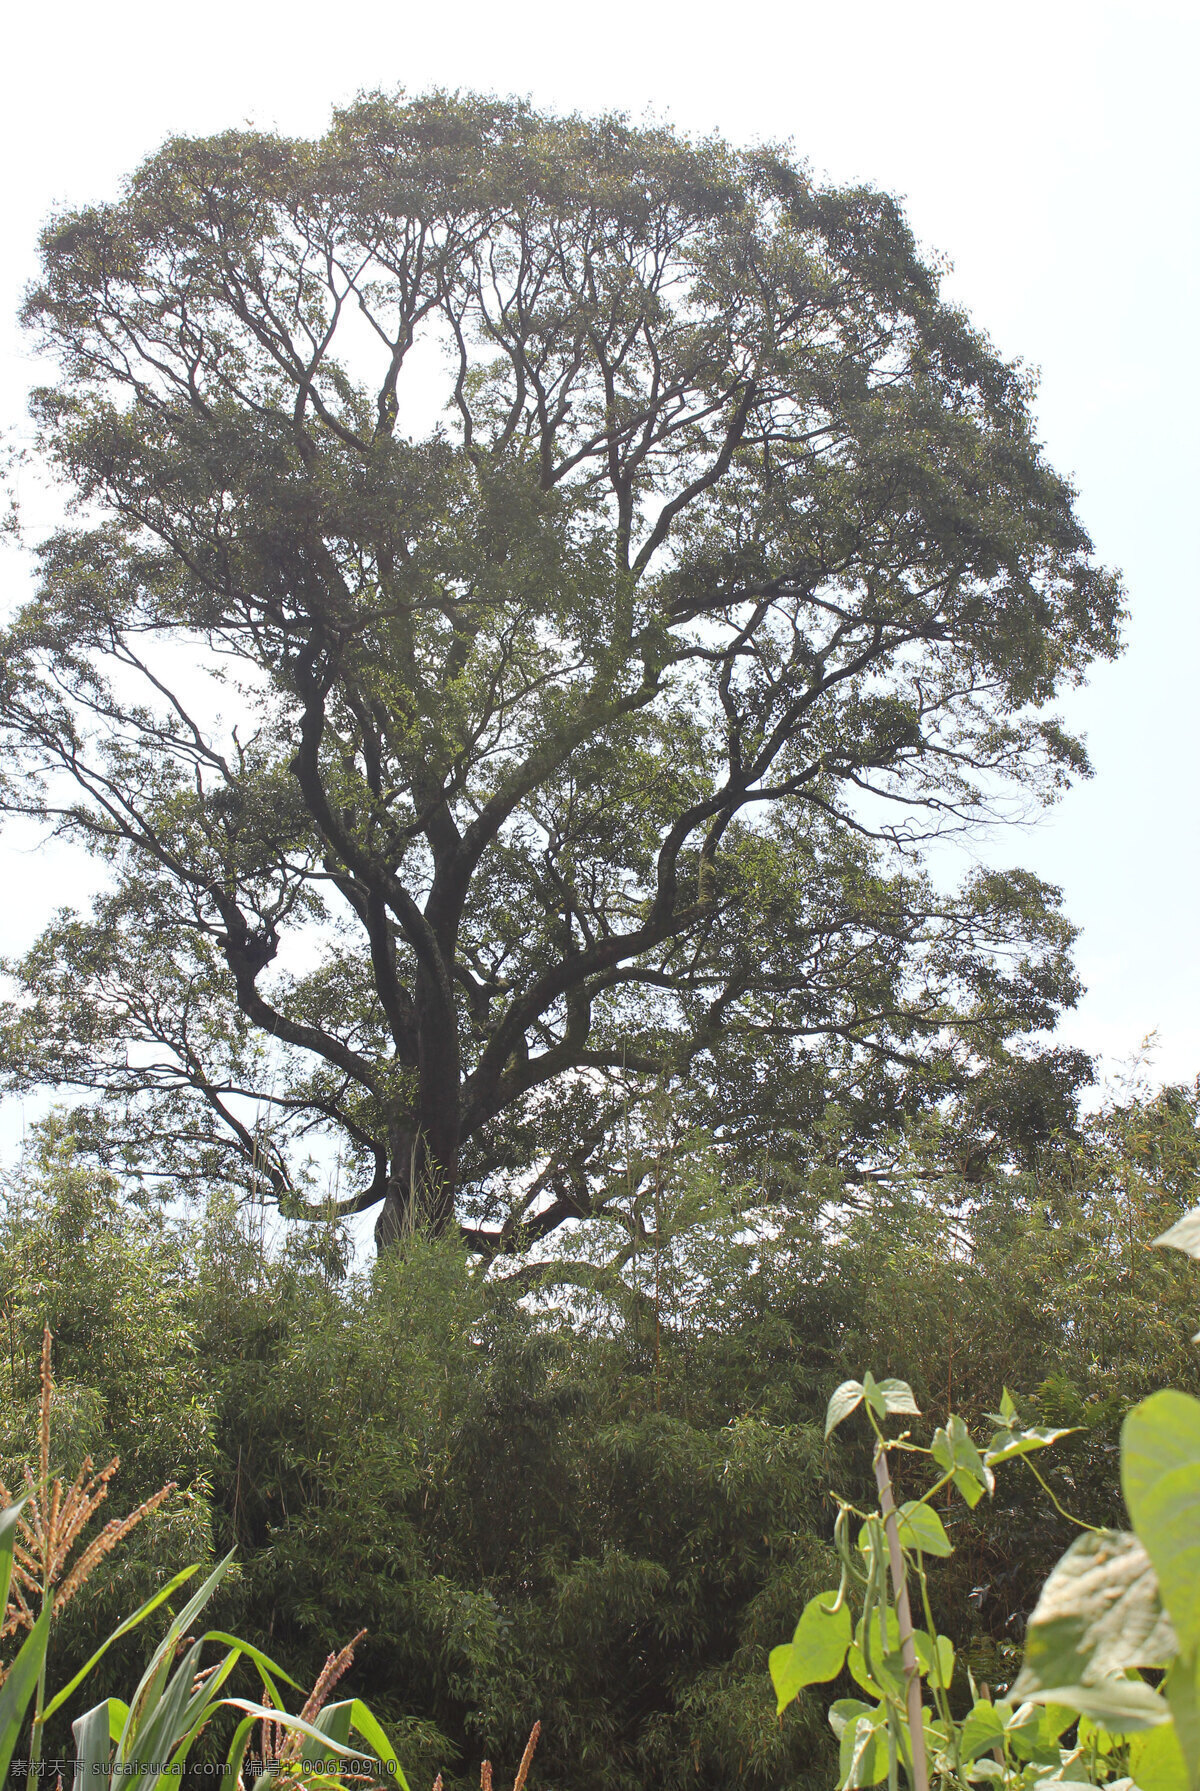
[53, 1522]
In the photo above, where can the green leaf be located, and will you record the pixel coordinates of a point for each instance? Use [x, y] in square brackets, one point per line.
[1055, 1719]
[954, 1451]
[1098, 1613]
[1122, 1705]
[921, 1528]
[882, 1651]
[257, 1712]
[857, 1666]
[129, 1623]
[1091, 1734]
[1156, 1761]
[169, 1718]
[93, 1733]
[936, 1660]
[1160, 1475]
[891, 1627]
[873, 1396]
[845, 1712]
[18, 1688]
[1024, 1730]
[1184, 1234]
[237, 1749]
[1088, 1785]
[367, 1724]
[198, 1712]
[967, 1485]
[843, 1401]
[982, 1730]
[816, 1651]
[150, 1686]
[9, 1518]
[1021, 1440]
[861, 1732]
[889, 1396]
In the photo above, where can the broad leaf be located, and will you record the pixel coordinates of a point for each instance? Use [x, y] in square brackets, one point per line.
[889, 1396]
[816, 1652]
[843, 1401]
[935, 1660]
[1156, 1762]
[1017, 1439]
[845, 1712]
[954, 1451]
[1183, 1235]
[857, 1667]
[1160, 1475]
[982, 1730]
[921, 1528]
[862, 1734]
[1097, 1614]
[1122, 1705]
[884, 1649]
[1055, 1718]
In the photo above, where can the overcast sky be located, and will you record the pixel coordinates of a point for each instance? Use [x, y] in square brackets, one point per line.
[1049, 150]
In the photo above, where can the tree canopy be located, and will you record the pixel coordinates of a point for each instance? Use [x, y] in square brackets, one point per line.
[462, 782]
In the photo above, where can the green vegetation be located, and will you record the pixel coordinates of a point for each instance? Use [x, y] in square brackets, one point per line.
[601, 1499]
[1119, 1601]
[514, 827]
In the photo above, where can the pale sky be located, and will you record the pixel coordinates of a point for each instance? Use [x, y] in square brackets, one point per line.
[1049, 150]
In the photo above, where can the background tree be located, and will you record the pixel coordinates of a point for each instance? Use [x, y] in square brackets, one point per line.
[461, 781]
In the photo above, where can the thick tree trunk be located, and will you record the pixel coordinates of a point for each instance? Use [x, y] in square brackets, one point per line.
[419, 1198]
[425, 1177]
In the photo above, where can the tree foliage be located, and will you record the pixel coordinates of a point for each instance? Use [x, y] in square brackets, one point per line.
[460, 782]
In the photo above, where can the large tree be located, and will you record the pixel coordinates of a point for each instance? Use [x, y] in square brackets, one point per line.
[537, 583]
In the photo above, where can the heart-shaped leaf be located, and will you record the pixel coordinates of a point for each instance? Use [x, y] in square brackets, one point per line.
[982, 1730]
[954, 1451]
[843, 1401]
[816, 1651]
[1098, 1613]
[921, 1527]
